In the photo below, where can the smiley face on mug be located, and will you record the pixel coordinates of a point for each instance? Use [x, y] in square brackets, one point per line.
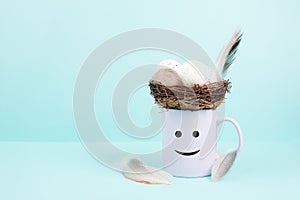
[178, 134]
[186, 135]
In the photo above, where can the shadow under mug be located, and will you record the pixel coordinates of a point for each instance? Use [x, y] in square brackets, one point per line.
[189, 141]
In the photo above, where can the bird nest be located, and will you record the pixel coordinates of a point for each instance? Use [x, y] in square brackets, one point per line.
[199, 97]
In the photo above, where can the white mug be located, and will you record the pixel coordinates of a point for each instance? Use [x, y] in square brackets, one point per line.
[189, 141]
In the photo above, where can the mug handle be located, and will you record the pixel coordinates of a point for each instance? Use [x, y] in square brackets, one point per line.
[238, 129]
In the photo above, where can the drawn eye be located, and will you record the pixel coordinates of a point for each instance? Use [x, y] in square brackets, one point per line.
[196, 134]
[178, 134]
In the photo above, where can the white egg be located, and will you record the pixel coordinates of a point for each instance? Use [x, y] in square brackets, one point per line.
[169, 73]
[195, 72]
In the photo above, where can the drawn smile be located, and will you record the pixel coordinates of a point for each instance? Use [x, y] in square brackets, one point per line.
[187, 153]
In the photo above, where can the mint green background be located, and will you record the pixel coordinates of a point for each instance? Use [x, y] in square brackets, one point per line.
[43, 45]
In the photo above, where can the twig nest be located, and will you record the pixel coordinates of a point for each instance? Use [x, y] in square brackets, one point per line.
[190, 86]
[198, 97]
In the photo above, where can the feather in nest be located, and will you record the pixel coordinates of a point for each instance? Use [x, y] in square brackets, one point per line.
[227, 54]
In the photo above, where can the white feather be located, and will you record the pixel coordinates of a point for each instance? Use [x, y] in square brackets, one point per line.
[222, 165]
[138, 171]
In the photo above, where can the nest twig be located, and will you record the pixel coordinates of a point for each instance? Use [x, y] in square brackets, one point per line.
[199, 97]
